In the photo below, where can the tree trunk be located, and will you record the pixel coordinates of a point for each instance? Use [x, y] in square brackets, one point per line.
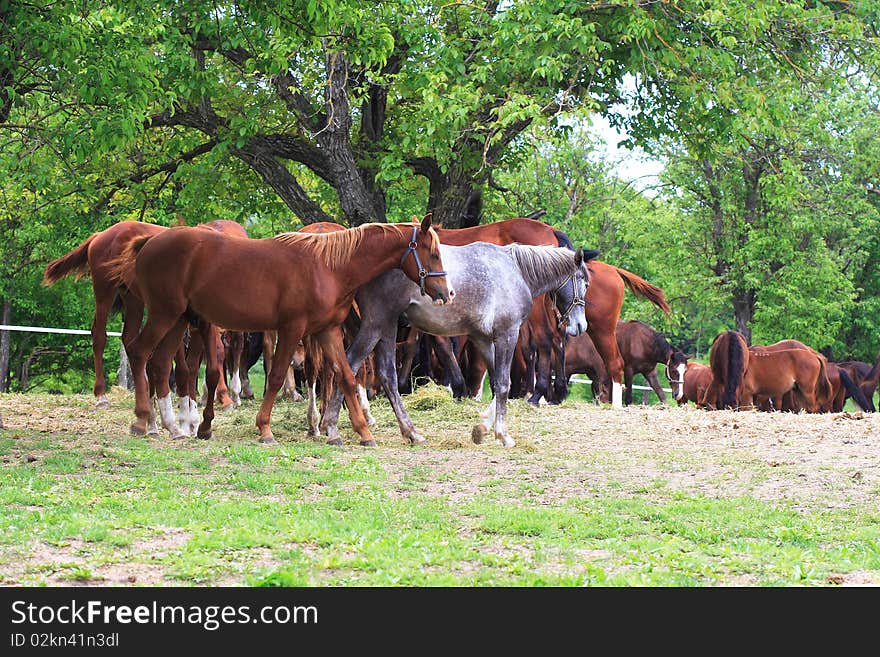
[123, 374]
[4, 346]
[744, 311]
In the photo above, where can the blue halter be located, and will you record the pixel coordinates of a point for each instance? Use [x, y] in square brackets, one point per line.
[423, 273]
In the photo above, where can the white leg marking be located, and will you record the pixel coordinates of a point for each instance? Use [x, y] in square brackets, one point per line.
[479, 395]
[152, 428]
[194, 418]
[365, 405]
[312, 413]
[183, 415]
[680, 393]
[616, 395]
[487, 417]
[166, 411]
[235, 388]
[102, 402]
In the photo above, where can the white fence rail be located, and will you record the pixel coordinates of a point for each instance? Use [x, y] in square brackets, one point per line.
[43, 329]
[574, 378]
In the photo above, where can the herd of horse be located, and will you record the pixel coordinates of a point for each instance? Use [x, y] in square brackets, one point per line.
[360, 309]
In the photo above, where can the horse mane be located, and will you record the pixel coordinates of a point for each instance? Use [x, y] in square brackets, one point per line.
[336, 248]
[660, 345]
[538, 264]
[562, 239]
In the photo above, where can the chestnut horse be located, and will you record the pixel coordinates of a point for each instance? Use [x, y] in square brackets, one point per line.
[689, 381]
[773, 372]
[93, 257]
[604, 296]
[295, 283]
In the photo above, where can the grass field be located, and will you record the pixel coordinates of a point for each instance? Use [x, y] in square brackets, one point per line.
[589, 496]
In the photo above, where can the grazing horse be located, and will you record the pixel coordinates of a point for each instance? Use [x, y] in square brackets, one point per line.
[841, 384]
[865, 377]
[728, 360]
[604, 297]
[295, 283]
[689, 381]
[93, 256]
[772, 373]
[495, 288]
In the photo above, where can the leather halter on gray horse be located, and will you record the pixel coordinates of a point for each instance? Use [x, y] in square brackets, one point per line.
[494, 287]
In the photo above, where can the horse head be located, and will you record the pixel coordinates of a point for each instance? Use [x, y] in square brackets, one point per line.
[676, 364]
[421, 263]
[570, 297]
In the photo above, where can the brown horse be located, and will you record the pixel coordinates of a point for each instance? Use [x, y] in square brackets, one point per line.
[93, 257]
[728, 360]
[773, 372]
[604, 296]
[694, 379]
[642, 349]
[582, 357]
[865, 376]
[295, 283]
[830, 401]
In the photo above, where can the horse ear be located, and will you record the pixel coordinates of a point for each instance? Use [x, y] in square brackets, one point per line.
[426, 222]
[579, 257]
[689, 356]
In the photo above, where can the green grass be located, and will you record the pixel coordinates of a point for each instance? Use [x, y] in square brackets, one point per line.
[95, 507]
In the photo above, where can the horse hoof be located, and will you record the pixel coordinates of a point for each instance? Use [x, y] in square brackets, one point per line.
[368, 443]
[478, 433]
[313, 433]
[103, 404]
[268, 440]
[416, 439]
[335, 441]
[506, 442]
[204, 435]
[135, 430]
[180, 436]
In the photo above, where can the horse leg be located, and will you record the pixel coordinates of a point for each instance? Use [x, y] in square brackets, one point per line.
[330, 340]
[606, 344]
[287, 341]
[628, 375]
[161, 367]
[560, 381]
[654, 382]
[141, 346]
[406, 362]
[386, 368]
[310, 370]
[363, 397]
[219, 351]
[504, 346]
[487, 417]
[443, 349]
[103, 300]
[544, 355]
[233, 359]
[213, 367]
[186, 405]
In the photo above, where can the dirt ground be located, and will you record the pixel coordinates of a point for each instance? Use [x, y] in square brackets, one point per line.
[807, 461]
[771, 456]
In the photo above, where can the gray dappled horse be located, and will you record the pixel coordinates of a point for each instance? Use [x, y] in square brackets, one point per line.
[494, 287]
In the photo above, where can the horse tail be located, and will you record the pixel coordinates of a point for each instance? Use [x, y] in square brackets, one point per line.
[727, 360]
[855, 392]
[645, 289]
[76, 262]
[121, 269]
[823, 385]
